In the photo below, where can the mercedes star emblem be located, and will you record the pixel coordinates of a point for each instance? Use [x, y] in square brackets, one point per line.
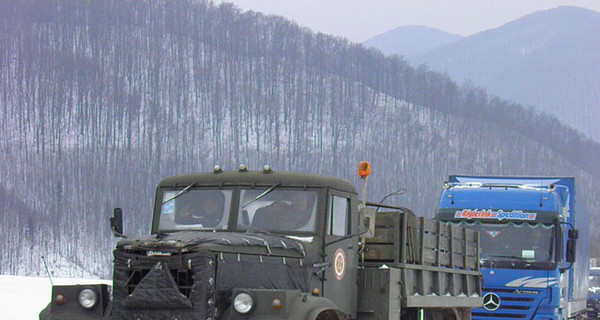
[491, 302]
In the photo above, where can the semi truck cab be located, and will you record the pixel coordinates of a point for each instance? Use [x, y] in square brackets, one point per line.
[254, 232]
[532, 261]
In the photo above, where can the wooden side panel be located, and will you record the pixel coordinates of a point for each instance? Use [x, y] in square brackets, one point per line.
[404, 238]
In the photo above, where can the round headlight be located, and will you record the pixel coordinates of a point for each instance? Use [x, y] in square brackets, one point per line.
[88, 298]
[243, 303]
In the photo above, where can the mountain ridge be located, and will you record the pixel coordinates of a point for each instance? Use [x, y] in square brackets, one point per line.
[548, 59]
[411, 40]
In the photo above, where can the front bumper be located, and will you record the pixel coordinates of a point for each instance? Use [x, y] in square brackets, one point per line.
[593, 309]
[65, 303]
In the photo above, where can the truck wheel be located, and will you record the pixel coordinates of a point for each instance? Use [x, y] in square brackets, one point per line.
[331, 315]
[448, 314]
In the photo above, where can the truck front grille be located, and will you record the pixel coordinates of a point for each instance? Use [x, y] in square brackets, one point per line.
[513, 304]
[183, 278]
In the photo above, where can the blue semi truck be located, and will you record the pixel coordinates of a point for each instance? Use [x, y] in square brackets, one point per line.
[533, 243]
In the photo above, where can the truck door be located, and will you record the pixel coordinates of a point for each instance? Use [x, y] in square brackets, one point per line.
[340, 283]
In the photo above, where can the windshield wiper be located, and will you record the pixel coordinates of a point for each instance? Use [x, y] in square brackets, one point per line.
[533, 266]
[506, 256]
[186, 189]
[261, 195]
[262, 231]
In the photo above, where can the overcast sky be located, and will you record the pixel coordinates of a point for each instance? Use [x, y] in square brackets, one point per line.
[359, 20]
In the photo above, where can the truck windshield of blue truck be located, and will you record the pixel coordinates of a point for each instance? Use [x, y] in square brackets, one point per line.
[516, 244]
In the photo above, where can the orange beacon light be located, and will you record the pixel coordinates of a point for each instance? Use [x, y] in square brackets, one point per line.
[364, 169]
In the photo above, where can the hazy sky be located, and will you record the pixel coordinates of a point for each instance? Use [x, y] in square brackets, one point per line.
[359, 20]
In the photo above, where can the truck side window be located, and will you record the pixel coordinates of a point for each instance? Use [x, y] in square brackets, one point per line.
[337, 217]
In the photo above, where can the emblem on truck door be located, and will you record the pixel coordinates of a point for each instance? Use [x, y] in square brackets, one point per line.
[339, 264]
[491, 302]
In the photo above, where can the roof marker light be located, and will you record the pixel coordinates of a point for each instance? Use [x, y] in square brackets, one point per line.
[217, 169]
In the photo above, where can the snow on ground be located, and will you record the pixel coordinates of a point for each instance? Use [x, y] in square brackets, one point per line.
[23, 298]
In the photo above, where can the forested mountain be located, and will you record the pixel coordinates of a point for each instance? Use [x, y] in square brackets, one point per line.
[409, 41]
[101, 99]
[549, 59]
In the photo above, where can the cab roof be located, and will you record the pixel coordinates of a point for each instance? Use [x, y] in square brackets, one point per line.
[257, 178]
[520, 199]
[500, 198]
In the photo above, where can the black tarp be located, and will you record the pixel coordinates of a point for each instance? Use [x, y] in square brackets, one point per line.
[157, 290]
[191, 275]
[259, 272]
[147, 287]
[217, 241]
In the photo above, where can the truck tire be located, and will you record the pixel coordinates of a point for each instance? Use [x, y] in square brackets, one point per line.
[330, 315]
[448, 314]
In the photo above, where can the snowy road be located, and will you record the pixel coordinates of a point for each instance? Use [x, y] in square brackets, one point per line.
[22, 298]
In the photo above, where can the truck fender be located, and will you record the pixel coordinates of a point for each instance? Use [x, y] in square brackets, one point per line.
[45, 313]
[317, 308]
[300, 306]
[325, 314]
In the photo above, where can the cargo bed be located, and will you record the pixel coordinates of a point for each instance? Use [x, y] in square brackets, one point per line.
[413, 262]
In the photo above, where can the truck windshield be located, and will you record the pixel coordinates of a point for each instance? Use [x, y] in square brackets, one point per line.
[278, 210]
[197, 209]
[594, 282]
[531, 243]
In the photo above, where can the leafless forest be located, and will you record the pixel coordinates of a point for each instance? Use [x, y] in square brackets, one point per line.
[101, 99]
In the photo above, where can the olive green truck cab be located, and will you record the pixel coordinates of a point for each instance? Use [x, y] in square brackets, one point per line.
[280, 245]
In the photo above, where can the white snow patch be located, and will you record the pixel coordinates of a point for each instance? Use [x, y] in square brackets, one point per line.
[23, 298]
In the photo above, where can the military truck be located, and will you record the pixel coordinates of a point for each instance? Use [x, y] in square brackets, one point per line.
[280, 245]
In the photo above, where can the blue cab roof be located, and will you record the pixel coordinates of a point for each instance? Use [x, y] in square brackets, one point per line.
[546, 197]
[510, 198]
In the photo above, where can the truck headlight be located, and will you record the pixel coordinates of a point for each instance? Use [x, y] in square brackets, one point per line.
[88, 298]
[243, 303]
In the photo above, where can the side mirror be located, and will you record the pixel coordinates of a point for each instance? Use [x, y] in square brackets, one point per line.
[573, 234]
[366, 217]
[571, 248]
[116, 223]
